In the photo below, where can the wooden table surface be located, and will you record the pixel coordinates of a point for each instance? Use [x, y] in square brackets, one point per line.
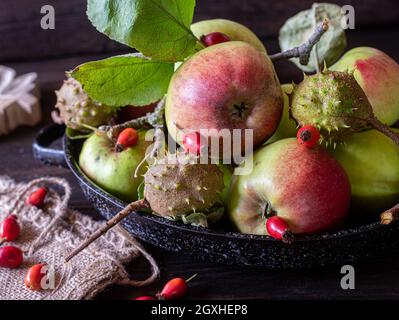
[377, 277]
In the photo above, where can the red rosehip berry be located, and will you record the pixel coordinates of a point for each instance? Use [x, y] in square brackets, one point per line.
[308, 136]
[277, 228]
[34, 276]
[37, 198]
[175, 288]
[9, 229]
[10, 257]
[214, 38]
[145, 298]
[192, 143]
[126, 139]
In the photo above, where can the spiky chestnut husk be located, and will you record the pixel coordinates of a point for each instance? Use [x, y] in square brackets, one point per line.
[174, 189]
[333, 102]
[75, 107]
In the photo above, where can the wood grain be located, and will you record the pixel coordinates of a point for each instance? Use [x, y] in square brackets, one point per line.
[375, 278]
[22, 38]
[28, 48]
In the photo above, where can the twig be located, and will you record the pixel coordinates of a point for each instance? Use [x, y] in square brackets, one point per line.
[383, 128]
[303, 51]
[134, 206]
[158, 142]
[151, 118]
[390, 215]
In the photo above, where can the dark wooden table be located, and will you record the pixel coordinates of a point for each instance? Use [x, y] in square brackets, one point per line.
[377, 277]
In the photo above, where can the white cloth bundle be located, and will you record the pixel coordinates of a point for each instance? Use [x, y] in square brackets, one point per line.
[19, 100]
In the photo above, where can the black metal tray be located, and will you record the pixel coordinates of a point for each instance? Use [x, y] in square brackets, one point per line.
[221, 243]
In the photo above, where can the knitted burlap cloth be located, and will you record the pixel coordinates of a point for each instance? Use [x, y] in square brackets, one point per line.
[49, 233]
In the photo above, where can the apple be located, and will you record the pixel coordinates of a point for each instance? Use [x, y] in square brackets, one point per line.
[234, 30]
[378, 75]
[287, 127]
[304, 186]
[371, 161]
[111, 170]
[226, 86]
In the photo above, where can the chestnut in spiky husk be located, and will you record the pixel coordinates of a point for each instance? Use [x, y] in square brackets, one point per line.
[333, 102]
[76, 108]
[177, 185]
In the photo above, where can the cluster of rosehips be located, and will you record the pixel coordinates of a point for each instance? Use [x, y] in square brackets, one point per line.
[12, 257]
[173, 289]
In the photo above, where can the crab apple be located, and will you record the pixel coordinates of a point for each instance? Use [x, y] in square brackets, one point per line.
[306, 187]
[371, 161]
[287, 127]
[112, 170]
[378, 75]
[225, 87]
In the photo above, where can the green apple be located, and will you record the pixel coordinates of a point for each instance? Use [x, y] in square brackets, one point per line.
[111, 170]
[378, 75]
[235, 31]
[287, 127]
[371, 161]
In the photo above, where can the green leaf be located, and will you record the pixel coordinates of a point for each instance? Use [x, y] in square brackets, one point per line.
[76, 135]
[125, 80]
[160, 29]
[298, 29]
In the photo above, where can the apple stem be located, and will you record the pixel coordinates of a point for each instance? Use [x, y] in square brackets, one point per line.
[303, 51]
[152, 118]
[134, 206]
[390, 215]
[383, 128]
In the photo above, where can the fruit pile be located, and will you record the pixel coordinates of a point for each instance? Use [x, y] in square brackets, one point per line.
[319, 146]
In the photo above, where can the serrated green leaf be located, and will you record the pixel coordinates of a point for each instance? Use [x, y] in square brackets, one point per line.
[298, 29]
[125, 80]
[160, 29]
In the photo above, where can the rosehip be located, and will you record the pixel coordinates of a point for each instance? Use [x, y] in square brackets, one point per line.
[192, 142]
[175, 288]
[10, 257]
[145, 298]
[308, 136]
[127, 138]
[9, 229]
[37, 198]
[214, 38]
[34, 277]
[277, 228]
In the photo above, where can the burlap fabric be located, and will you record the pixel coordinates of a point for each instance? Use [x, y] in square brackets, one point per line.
[49, 233]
